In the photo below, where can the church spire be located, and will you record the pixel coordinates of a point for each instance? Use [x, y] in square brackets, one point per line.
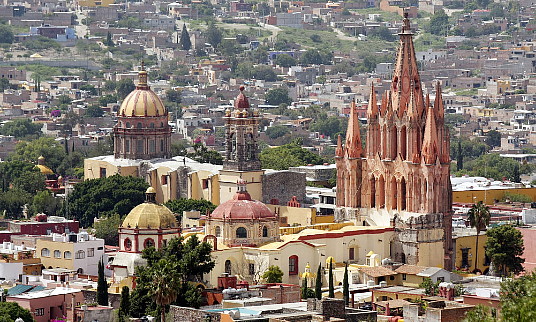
[429, 145]
[372, 110]
[353, 135]
[438, 103]
[339, 152]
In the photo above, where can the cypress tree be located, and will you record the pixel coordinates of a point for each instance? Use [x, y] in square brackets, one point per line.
[459, 156]
[331, 287]
[185, 42]
[318, 284]
[102, 286]
[346, 286]
[124, 305]
[304, 288]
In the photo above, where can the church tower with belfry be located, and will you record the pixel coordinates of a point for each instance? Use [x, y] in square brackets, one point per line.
[401, 179]
[241, 161]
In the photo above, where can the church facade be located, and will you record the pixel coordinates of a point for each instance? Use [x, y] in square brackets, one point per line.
[401, 178]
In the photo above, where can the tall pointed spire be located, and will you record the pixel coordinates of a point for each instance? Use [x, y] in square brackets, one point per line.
[438, 103]
[339, 152]
[353, 135]
[429, 146]
[372, 110]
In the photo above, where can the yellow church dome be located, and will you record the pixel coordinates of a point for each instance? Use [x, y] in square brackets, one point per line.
[142, 101]
[150, 215]
[42, 167]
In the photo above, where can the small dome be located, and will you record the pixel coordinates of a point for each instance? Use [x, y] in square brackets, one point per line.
[44, 169]
[150, 190]
[150, 216]
[242, 207]
[241, 101]
[330, 259]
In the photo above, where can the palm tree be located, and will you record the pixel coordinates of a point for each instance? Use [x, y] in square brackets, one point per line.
[165, 286]
[479, 217]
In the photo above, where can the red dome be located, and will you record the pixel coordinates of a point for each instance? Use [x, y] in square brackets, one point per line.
[241, 101]
[242, 207]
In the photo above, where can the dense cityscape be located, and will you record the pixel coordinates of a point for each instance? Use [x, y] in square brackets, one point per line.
[247, 160]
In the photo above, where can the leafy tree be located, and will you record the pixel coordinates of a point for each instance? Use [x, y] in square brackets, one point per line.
[213, 35]
[277, 96]
[106, 228]
[5, 84]
[89, 88]
[94, 111]
[13, 201]
[265, 72]
[439, 23]
[493, 138]
[124, 87]
[479, 217]
[430, 288]
[459, 157]
[178, 206]
[304, 288]
[273, 274]
[274, 132]
[382, 33]
[330, 278]
[318, 282]
[31, 182]
[109, 42]
[504, 247]
[29, 151]
[494, 166]
[346, 286]
[10, 311]
[107, 99]
[315, 57]
[186, 261]
[173, 96]
[330, 126]
[12, 170]
[288, 155]
[105, 196]
[518, 298]
[45, 202]
[203, 155]
[481, 313]
[102, 286]
[21, 128]
[6, 34]
[285, 60]
[124, 305]
[164, 286]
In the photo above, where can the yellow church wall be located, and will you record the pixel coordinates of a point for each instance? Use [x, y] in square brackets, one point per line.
[470, 242]
[489, 196]
[95, 3]
[228, 179]
[295, 216]
[92, 169]
[431, 254]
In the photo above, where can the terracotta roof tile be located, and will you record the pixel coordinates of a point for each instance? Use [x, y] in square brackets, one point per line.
[377, 271]
[410, 269]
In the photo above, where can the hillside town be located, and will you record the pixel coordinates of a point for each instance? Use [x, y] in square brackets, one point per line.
[207, 160]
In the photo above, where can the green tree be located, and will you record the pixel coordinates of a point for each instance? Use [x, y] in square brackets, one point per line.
[21, 128]
[12, 170]
[504, 247]
[304, 288]
[29, 151]
[173, 96]
[288, 155]
[273, 274]
[330, 278]
[13, 201]
[178, 206]
[124, 305]
[6, 34]
[277, 96]
[203, 155]
[124, 87]
[479, 217]
[164, 286]
[31, 182]
[285, 60]
[10, 311]
[318, 282]
[105, 196]
[106, 228]
[45, 202]
[518, 298]
[430, 288]
[481, 313]
[459, 157]
[277, 131]
[102, 286]
[184, 41]
[330, 126]
[439, 23]
[493, 138]
[382, 33]
[94, 111]
[346, 286]
[213, 35]
[109, 42]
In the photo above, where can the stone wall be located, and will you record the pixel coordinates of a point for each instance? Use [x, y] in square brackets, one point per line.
[327, 307]
[91, 297]
[283, 185]
[187, 314]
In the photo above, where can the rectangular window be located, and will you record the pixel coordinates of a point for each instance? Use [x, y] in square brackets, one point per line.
[139, 148]
[205, 183]
[164, 179]
[152, 146]
[127, 145]
[103, 172]
[351, 255]
[251, 269]
[40, 312]
[161, 145]
[404, 277]
[90, 252]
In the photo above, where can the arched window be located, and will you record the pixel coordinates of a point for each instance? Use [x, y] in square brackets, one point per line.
[372, 192]
[161, 124]
[217, 231]
[80, 254]
[381, 202]
[128, 125]
[403, 142]
[139, 125]
[403, 196]
[152, 126]
[149, 242]
[57, 254]
[241, 232]
[67, 255]
[264, 231]
[293, 265]
[394, 194]
[392, 142]
[45, 252]
[228, 267]
[127, 244]
[403, 258]
[161, 145]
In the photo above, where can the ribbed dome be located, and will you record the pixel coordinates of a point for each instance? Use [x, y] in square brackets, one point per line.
[150, 215]
[242, 207]
[142, 102]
